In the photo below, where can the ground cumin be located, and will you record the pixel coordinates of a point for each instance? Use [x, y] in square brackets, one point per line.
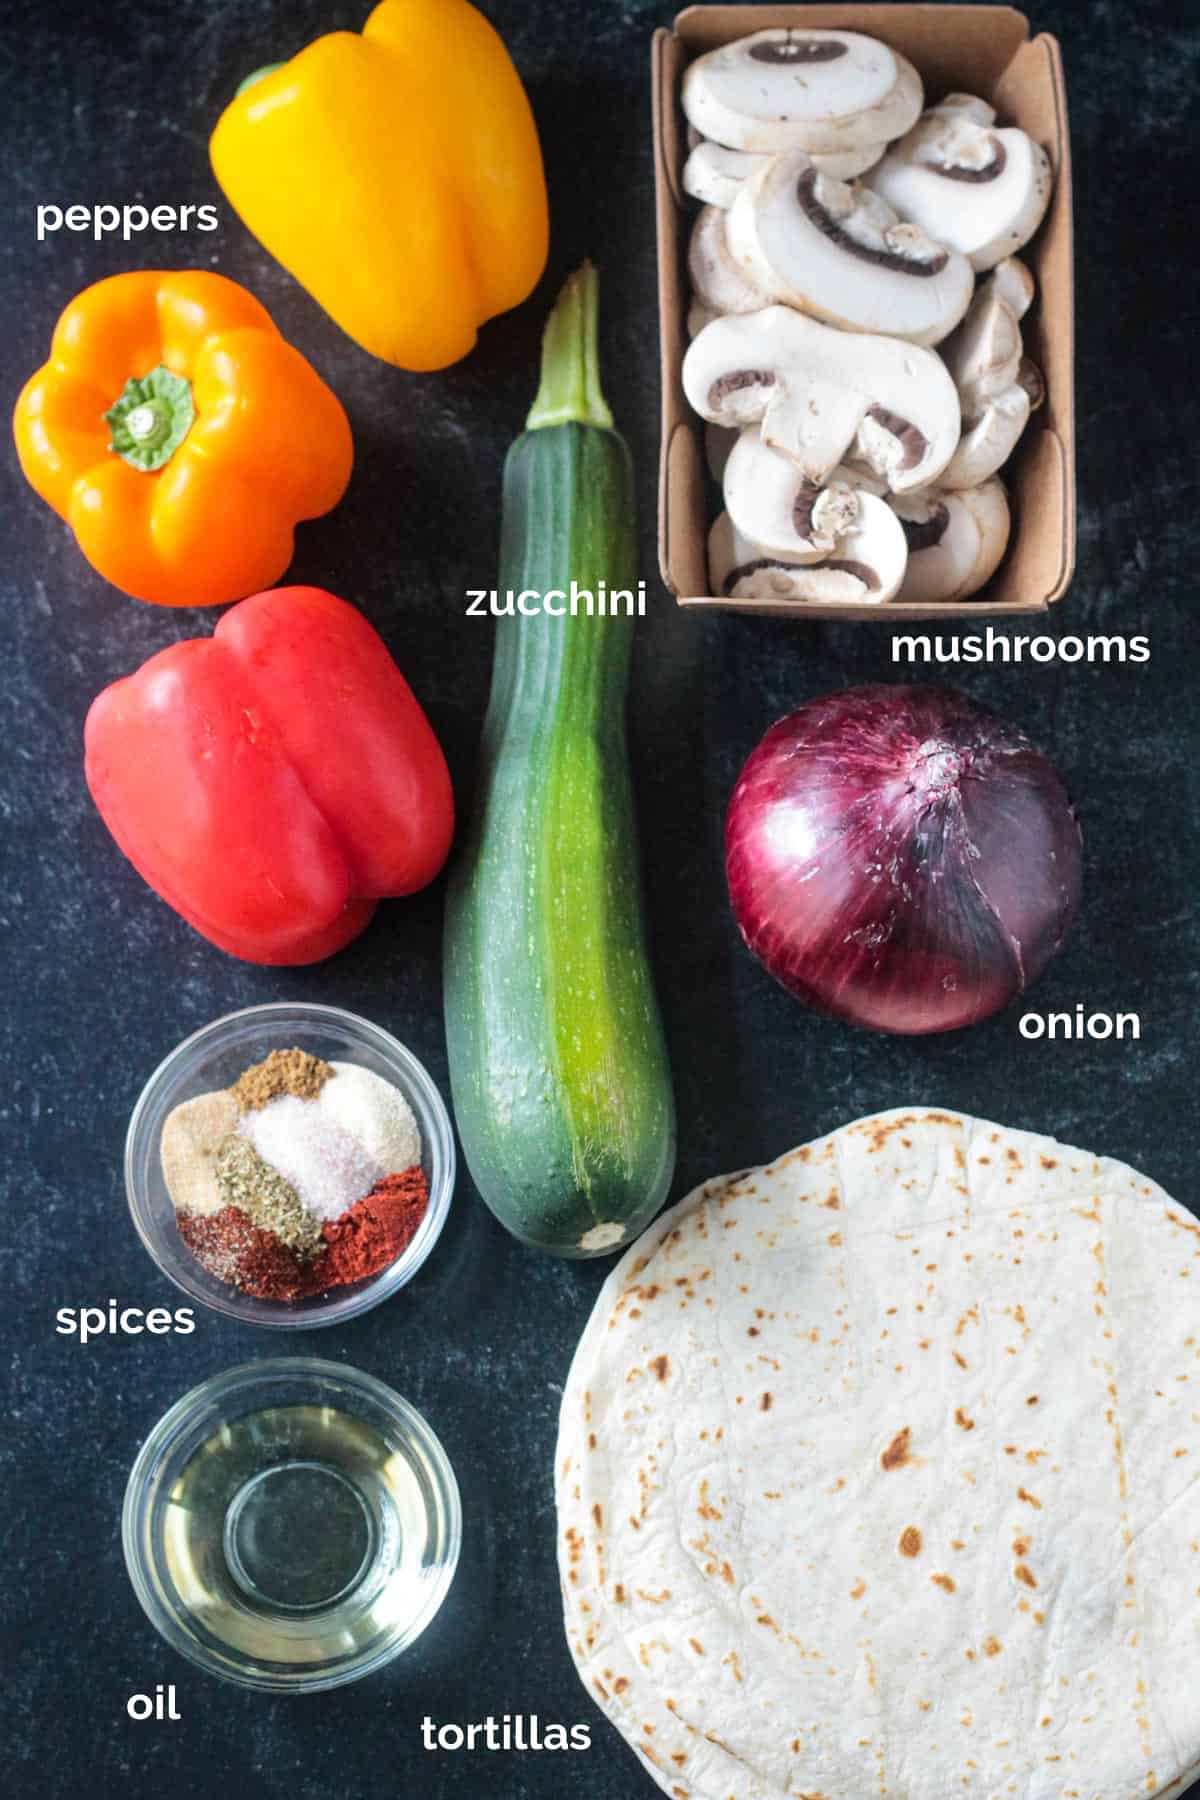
[282, 1072]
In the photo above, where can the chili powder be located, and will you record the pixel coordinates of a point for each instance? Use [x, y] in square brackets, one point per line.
[374, 1231]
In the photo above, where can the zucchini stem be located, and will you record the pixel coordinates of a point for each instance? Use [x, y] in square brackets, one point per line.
[570, 385]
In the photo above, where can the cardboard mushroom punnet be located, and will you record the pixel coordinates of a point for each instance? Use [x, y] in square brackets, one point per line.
[981, 189]
[839, 252]
[955, 540]
[988, 50]
[867, 569]
[825, 396]
[780, 89]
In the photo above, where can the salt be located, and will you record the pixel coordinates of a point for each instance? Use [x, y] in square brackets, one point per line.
[374, 1112]
[329, 1167]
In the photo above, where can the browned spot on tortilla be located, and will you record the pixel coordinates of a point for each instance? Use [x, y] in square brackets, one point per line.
[764, 1404]
[619, 1594]
[1021, 1547]
[1032, 1400]
[600, 1689]
[768, 1621]
[834, 1240]
[896, 1454]
[706, 1509]
[727, 1573]
[961, 1361]
[945, 1582]
[834, 1203]
[961, 1420]
[992, 1647]
[752, 1331]
[859, 1589]
[1049, 1162]
[697, 1646]
[1025, 1574]
[910, 1541]
[661, 1366]
[1029, 1499]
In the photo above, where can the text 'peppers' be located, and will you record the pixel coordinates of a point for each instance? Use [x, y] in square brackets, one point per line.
[273, 781]
[181, 437]
[396, 173]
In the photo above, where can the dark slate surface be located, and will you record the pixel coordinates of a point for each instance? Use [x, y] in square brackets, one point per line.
[112, 101]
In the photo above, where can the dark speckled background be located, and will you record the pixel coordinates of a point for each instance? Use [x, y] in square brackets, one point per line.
[109, 101]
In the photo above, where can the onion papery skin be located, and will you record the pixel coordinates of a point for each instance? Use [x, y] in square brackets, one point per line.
[901, 858]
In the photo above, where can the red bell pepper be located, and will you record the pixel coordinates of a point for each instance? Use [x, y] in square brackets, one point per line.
[275, 780]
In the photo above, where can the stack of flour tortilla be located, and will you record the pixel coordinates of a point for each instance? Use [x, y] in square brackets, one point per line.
[879, 1473]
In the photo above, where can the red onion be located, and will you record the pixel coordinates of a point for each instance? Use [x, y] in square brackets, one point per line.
[901, 858]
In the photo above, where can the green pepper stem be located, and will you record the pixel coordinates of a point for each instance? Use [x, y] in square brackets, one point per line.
[570, 384]
[150, 419]
[258, 75]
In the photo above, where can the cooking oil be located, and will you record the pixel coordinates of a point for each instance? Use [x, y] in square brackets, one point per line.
[300, 1534]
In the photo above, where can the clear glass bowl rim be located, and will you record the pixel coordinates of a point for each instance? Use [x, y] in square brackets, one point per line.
[243, 1379]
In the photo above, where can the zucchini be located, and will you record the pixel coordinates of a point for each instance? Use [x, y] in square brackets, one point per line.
[558, 1065]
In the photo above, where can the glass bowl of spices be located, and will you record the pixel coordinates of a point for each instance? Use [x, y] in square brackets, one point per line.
[291, 1525]
[290, 1165]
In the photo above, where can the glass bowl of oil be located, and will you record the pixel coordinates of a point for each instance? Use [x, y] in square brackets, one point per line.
[291, 1525]
[214, 1057]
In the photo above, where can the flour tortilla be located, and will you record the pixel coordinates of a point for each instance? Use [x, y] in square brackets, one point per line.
[879, 1473]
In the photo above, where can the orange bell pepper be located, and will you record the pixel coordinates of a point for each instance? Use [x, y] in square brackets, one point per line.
[181, 437]
[396, 173]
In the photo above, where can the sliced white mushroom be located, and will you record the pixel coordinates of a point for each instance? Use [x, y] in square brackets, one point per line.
[997, 384]
[988, 441]
[839, 252]
[1013, 283]
[826, 397]
[955, 540]
[978, 188]
[718, 282]
[984, 354]
[718, 442]
[774, 505]
[869, 565]
[1033, 381]
[714, 174]
[785, 89]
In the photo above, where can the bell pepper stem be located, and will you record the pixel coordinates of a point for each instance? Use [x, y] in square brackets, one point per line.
[258, 75]
[570, 383]
[150, 419]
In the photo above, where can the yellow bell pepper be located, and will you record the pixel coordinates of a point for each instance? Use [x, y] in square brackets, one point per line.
[397, 175]
[180, 436]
